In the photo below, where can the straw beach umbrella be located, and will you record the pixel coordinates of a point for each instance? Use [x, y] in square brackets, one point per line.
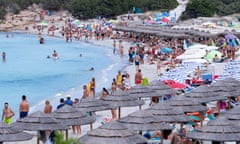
[140, 91]
[186, 104]
[72, 117]
[220, 130]
[234, 115]
[112, 133]
[166, 113]
[203, 94]
[9, 134]
[228, 84]
[91, 105]
[121, 99]
[39, 121]
[143, 121]
[161, 88]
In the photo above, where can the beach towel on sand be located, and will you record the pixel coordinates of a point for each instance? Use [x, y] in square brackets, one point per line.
[106, 120]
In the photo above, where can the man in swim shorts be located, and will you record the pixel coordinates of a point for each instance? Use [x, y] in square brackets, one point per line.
[138, 77]
[7, 114]
[24, 107]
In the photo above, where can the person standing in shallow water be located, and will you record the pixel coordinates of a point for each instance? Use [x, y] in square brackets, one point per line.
[7, 114]
[48, 107]
[114, 46]
[85, 92]
[24, 107]
[3, 56]
[93, 87]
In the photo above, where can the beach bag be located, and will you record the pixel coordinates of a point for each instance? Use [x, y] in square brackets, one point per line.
[145, 82]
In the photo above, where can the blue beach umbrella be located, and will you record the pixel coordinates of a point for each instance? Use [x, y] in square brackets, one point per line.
[167, 50]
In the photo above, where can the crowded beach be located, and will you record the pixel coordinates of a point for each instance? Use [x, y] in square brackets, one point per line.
[178, 87]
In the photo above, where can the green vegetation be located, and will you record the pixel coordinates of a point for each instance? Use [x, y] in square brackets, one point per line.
[59, 139]
[2, 13]
[109, 8]
[86, 9]
[208, 8]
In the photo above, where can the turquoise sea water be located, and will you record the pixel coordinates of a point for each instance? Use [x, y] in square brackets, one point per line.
[27, 70]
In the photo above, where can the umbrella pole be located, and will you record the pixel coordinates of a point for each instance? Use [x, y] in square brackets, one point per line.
[140, 106]
[38, 141]
[181, 125]
[91, 125]
[119, 112]
[202, 119]
[66, 134]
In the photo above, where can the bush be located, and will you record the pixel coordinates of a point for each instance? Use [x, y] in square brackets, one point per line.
[208, 8]
[2, 13]
[59, 139]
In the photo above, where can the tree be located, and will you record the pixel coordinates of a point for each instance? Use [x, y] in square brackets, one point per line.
[2, 13]
[51, 4]
[197, 8]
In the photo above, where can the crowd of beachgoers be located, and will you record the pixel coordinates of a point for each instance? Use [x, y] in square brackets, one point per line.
[141, 49]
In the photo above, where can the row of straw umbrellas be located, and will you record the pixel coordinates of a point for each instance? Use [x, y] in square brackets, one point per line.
[161, 115]
[125, 129]
[170, 32]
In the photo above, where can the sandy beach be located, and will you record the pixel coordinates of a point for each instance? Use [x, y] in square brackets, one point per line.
[149, 71]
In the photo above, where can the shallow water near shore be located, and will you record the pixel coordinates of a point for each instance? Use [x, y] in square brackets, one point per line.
[28, 71]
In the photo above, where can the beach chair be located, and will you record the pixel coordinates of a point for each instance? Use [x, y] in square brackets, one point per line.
[207, 78]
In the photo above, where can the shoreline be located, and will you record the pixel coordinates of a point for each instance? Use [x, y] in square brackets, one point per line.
[102, 43]
[148, 71]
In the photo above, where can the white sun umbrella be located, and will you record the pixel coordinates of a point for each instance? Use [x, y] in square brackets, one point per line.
[197, 46]
[195, 51]
[198, 60]
[192, 54]
[209, 48]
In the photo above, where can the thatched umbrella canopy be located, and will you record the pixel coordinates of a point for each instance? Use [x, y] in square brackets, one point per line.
[209, 89]
[112, 132]
[161, 88]
[220, 130]
[91, 105]
[234, 115]
[229, 85]
[186, 104]
[140, 91]
[39, 121]
[121, 99]
[71, 116]
[205, 97]
[143, 121]
[166, 113]
[9, 134]
[203, 94]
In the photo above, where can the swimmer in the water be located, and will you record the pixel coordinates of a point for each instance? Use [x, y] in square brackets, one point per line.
[80, 55]
[55, 54]
[91, 69]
